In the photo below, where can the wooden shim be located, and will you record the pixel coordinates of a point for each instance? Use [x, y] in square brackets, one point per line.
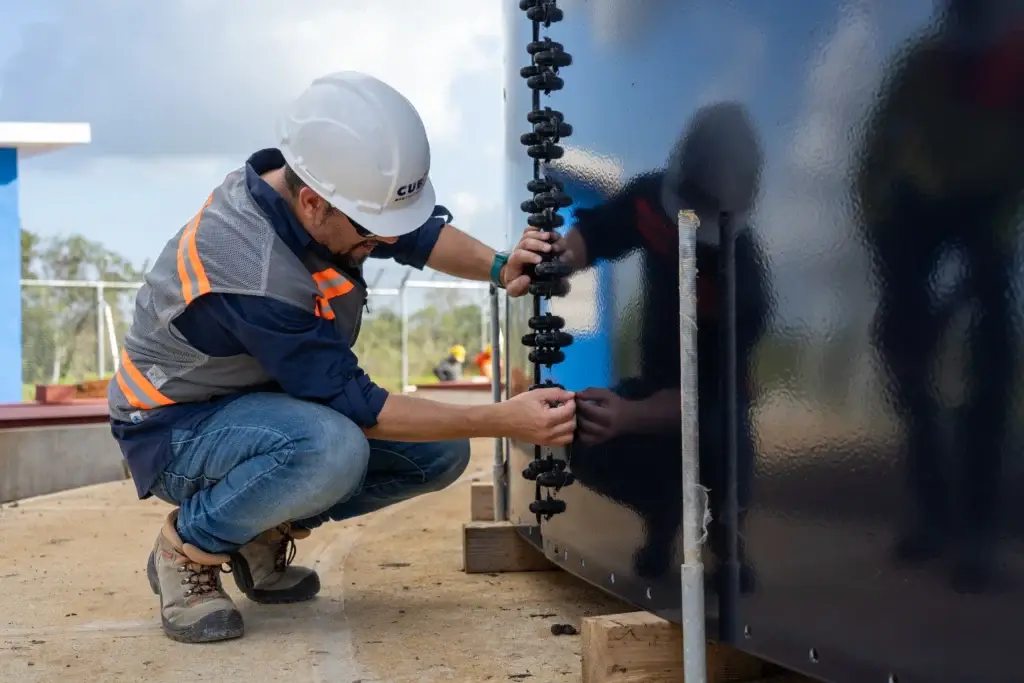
[497, 547]
[481, 502]
[639, 646]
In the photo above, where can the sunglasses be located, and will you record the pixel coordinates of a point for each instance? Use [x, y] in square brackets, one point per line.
[360, 230]
[367, 235]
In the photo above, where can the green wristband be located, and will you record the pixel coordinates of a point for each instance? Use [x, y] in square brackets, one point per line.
[500, 259]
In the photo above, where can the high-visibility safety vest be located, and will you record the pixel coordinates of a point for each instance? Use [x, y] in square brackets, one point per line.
[229, 247]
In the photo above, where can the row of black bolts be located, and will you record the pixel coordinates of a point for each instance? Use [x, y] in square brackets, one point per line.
[547, 339]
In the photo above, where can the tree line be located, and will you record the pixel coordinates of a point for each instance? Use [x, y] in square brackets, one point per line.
[59, 324]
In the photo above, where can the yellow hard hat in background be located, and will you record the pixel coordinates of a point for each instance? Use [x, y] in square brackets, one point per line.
[458, 352]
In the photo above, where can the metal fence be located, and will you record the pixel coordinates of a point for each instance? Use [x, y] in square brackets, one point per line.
[72, 329]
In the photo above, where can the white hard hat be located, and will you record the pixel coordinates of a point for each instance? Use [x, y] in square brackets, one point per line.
[361, 145]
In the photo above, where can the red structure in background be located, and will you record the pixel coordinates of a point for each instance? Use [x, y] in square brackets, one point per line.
[58, 404]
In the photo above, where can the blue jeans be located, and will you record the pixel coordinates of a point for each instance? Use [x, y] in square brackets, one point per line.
[267, 458]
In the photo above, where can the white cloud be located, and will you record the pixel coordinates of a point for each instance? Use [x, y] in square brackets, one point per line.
[180, 92]
[195, 77]
[465, 205]
[479, 215]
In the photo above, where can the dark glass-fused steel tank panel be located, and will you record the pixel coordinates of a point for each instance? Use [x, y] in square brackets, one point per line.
[869, 156]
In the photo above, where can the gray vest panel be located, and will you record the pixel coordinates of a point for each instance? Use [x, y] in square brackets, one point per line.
[230, 246]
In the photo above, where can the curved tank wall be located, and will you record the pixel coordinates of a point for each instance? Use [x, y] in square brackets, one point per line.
[869, 156]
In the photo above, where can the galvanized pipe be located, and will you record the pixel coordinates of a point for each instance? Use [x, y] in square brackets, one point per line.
[403, 307]
[694, 500]
[729, 586]
[108, 314]
[500, 477]
[101, 356]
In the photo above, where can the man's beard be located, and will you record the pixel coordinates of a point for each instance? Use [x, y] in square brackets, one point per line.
[348, 261]
[352, 261]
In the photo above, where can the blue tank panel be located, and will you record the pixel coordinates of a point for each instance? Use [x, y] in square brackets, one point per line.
[866, 157]
[586, 365]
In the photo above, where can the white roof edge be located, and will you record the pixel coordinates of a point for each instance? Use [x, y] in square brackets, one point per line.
[39, 137]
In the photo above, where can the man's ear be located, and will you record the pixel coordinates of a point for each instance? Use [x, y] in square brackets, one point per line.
[308, 201]
[312, 205]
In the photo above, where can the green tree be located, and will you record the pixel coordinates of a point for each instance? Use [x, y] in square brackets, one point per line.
[445, 319]
[59, 324]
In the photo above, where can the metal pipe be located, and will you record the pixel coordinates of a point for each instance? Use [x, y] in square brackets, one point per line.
[484, 323]
[506, 349]
[505, 346]
[729, 586]
[101, 356]
[91, 284]
[500, 477]
[447, 284]
[372, 291]
[108, 314]
[694, 500]
[404, 308]
[399, 291]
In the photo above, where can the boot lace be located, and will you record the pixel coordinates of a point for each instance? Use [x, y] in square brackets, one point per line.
[202, 579]
[285, 553]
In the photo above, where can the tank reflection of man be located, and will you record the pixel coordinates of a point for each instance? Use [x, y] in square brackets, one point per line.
[942, 170]
[628, 445]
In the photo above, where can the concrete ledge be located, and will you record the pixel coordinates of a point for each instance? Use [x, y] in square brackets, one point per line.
[39, 460]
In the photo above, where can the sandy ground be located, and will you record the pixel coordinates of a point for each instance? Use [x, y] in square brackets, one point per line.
[395, 606]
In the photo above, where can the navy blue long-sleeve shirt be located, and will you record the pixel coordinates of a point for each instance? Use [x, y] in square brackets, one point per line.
[304, 354]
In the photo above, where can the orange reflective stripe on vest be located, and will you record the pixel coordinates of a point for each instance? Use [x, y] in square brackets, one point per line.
[194, 282]
[332, 283]
[139, 391]
[323, 309]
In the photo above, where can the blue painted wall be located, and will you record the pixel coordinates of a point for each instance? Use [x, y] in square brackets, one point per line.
[10, 277]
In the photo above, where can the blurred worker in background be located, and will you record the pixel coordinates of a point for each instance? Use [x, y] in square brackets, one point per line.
[483, 361]
[450, 368]
[238, 398]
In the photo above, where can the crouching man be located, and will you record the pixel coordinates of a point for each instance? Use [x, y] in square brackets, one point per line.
[238, 398]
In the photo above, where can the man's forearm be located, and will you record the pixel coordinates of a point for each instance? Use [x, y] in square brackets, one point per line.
[461, 255]
[407, 418]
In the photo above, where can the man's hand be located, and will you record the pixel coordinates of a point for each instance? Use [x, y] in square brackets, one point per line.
[530, 417]
[531, 246]
[602, 416]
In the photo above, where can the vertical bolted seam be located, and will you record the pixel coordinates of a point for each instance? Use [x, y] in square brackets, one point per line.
[548, 277]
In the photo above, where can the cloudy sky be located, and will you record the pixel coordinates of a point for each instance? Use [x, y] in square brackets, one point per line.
[179, 92]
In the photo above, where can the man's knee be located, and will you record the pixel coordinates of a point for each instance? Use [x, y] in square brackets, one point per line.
[451, 461]
[335, 458]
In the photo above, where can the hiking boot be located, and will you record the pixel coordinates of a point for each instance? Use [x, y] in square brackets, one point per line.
[263, 568]
[193, 605]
